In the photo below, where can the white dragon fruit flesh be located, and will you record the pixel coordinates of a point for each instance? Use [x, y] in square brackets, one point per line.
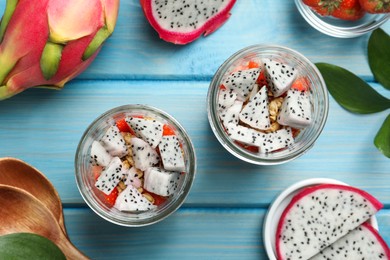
[181, 22]
[114, 142]
[150, 130]
[364, 242]
[110, 176]
[295, 110]
[242, 82]
[279, 76]
[246, 135]
[130, 199]
[279, 139]
[231, 115]
[254, 91]
[161, 182]
[226, 98]
[99, 155]
[172, 154]
[131, 178]
[144, 155]
[256, 112]
[318, 216]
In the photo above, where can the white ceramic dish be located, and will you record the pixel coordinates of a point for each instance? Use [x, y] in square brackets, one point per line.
[280, 203]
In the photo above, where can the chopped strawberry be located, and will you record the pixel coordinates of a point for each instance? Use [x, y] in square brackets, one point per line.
[253, 65]
[295, 132]
[123, 126]
[222, 87]
[301, 84]
[111, 198]
[96, 171]
[168, 130]
[375, 6]
[250, 148]
[158, 200]
[261, 79]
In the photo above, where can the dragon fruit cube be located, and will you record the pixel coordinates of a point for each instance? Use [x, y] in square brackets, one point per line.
[99, 155]
[295, 110]
[144, 155]
[130, 199]
[110, 176]
[242, 82]
[114, 143]
[172, 154]
[280, 139]
[246, 135]
[279, 76]
[161, 182]
[226, 98]
[149, 130]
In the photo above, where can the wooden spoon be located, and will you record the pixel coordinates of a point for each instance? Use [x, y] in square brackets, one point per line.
[14, 172]
[22, 212]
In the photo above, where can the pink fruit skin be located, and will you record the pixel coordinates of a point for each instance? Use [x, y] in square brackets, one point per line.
[28, 32]
[183, 38]
[377, 204]
[379, 238]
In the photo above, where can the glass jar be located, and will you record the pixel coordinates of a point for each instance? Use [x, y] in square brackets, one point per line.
[341, 28]
[318, 99]
[86, 183]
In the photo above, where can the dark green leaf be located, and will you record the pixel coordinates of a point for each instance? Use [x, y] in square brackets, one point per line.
[382, 138]
[28, 246]
[379, 56]
[350, 91]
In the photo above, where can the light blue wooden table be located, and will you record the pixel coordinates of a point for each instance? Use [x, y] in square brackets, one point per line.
[223, 215]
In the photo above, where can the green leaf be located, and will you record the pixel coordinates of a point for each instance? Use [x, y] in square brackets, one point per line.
[350, 91]
[379, 56]
[382, 138]
[28, 246]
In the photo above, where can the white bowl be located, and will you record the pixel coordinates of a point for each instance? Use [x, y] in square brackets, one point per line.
[280, 203]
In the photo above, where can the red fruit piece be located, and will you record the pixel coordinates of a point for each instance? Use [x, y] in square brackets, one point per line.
[375, 6]
[96, 171]
[111, 198]
[250, 148]
[158, 200]
[168, 130]
[301, 84]
[349, 10]
[261, 79]
[123, 126]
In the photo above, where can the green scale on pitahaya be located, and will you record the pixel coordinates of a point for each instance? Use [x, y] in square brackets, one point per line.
[99, 155]
[113, 142]
[144, 155]
[318, 216]
[256, 112]
[364, 242]
[181, 22]
[242, 82]
[161, 182]
[279, 76]
[110, 176]
[172, 154]
[279, 139]
[131, 178]
[246, 135]
[226, 99]
[149, 130]
[230, 116]
[49, 42]
[295, 110]
[130, 199]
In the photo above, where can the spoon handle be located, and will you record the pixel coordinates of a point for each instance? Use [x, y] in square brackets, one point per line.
[70, 251]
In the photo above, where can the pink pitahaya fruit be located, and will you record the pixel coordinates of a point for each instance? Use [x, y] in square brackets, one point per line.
[318, 216]
[279, 139]
[113, 142]
[46, 43]
[226, 99]
[182, 22]
[364, 242]
[144, 155]
[256, 112]
[242, 82]
[99, 155]
[110, 176]
[161, 182]
[295, 110]
[130, 199]
[246, 135]
[279, 76]
[149, 130]
[172, 154]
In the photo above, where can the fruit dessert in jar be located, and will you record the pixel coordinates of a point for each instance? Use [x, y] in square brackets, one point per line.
[135, 165]
[263, 98]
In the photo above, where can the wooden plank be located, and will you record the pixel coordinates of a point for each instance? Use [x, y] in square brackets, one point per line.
[136, 52]
[43, 127]
[187, 234]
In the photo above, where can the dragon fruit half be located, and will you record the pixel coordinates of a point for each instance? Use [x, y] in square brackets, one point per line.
[318, 216]
[49, 42]
[364, 242]
[182, 22]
